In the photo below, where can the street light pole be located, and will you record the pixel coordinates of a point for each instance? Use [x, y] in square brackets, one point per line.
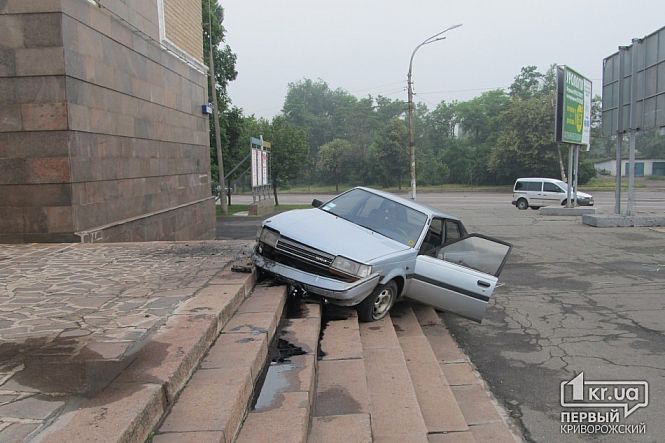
[412, 140]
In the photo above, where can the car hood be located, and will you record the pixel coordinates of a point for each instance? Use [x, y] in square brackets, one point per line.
[327, 232]
[583, 195]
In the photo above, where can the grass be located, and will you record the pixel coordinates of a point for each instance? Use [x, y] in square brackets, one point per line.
[448, 187]
[607, 183]
[234, 209]
[598, 183]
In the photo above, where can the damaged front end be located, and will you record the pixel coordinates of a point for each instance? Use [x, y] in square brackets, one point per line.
[340, 280]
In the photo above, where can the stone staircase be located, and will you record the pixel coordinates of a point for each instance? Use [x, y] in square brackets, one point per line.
[324, 377]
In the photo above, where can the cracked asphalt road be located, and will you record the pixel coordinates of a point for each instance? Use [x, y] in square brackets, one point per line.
[574, 298]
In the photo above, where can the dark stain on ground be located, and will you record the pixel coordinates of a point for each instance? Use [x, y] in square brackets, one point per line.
[294, 303]
[336, 400]
[284, 351]
[539, 276]
[330, 313]
[63, 365]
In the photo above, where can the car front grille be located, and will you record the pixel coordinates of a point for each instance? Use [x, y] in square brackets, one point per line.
[294, 254]
[303, 252]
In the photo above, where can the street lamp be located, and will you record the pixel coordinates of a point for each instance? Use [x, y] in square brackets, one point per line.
[412, 141]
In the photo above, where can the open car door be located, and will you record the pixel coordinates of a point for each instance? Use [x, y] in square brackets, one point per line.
[462, 276]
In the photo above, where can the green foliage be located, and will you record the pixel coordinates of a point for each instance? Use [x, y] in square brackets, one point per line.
[390, 153]
[224, 59]
[525, 146]
[289, 151]
[335, 157]
[587, 172]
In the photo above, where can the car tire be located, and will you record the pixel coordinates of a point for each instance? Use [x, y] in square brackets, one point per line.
[534, 207]
[378, 303]
[522, 204]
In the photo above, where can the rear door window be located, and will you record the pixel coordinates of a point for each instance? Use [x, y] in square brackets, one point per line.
[528, 186]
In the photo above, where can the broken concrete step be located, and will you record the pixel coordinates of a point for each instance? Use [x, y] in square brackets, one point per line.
[283, 407]
[215, 400]
[394, 409]
[130, 407]
[437, 401]
[341, 407]
[485, 419]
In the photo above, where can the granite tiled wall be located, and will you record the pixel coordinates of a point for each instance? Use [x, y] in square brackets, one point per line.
[100, 127]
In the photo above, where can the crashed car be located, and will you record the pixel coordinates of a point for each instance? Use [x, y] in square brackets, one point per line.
[368, 248]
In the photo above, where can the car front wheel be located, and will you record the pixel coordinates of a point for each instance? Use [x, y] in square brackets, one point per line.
[377, 305]
[522, 204]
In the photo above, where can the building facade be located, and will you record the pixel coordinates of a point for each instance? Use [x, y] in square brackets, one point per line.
[102, 137]
[643, 167]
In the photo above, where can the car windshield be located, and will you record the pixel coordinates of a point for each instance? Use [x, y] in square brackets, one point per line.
[380, 214]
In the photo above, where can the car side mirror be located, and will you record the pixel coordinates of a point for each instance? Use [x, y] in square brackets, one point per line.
[317, 203]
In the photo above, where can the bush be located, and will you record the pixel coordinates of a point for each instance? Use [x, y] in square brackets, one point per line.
[586, 172]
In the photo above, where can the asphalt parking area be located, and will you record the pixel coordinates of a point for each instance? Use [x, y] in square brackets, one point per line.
[574, 299]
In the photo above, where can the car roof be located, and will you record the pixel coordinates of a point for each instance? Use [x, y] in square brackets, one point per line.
[551, 180]
[427, 209]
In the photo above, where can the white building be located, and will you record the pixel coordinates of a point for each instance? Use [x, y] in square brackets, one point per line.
[643, 167]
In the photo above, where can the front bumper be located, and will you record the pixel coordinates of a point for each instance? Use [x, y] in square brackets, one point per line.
[338, 292]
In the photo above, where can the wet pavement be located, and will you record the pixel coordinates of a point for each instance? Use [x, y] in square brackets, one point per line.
[73, 316]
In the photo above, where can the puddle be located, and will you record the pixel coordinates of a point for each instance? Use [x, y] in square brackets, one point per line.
[276, 381]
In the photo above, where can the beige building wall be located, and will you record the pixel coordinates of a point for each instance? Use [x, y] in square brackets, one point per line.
[182, 20]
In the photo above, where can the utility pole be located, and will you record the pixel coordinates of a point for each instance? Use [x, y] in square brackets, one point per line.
[412, 138]
[215, 116]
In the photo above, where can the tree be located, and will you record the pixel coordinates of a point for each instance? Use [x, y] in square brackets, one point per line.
[288, 153]
[224, 59]
[525, 146]
[333, 157]
[527, 83]
[391, 154]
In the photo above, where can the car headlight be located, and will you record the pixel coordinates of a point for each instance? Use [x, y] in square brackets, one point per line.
[351, 267]
[269, 237]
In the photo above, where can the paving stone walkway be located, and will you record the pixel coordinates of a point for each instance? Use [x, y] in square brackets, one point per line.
[73, 316]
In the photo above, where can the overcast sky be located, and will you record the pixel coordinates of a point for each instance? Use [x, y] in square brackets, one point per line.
[363, 46]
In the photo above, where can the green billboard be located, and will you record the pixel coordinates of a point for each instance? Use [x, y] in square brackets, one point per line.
[573, 113]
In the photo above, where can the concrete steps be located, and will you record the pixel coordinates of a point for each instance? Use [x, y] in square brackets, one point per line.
[213, 404]
[342, 405]
[399, 379]
[485, 419]
[129, 408]
[435, 397]
[283, 407]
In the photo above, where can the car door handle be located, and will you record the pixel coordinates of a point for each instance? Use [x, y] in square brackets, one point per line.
[484, 284]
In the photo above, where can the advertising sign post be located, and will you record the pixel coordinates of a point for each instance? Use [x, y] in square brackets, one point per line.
[260, 155]
[573, 121]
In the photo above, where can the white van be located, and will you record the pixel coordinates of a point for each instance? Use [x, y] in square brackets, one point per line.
[538, 192]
